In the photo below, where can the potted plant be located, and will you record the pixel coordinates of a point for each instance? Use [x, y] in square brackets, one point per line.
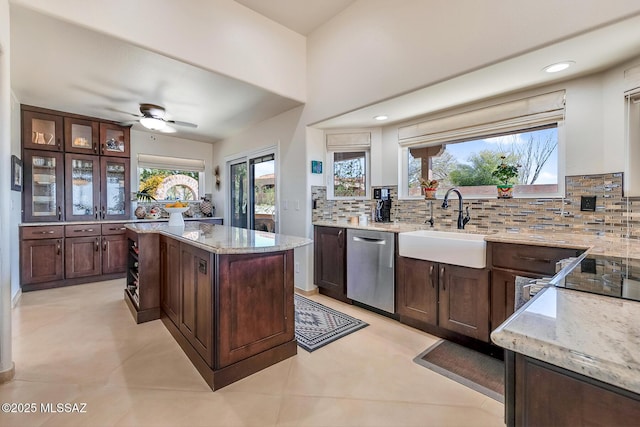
[506, 174]
[429, 187]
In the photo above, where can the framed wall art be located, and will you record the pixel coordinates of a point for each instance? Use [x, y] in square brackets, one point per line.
[16, 174]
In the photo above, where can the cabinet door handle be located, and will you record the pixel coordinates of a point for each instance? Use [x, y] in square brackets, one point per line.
[433, 282]
[103, 212]
[444, 284]
[59, 248]
[97, 244]
[104, 245]
[531, 258]
[95, 209]
[340, 233]
[95, 147]
[59, 145]
[59, 214]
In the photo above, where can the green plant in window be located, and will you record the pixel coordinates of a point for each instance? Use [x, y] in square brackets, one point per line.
[506, 173]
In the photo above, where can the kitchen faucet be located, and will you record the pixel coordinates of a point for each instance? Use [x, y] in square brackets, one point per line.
[430, 220]
[462, 221]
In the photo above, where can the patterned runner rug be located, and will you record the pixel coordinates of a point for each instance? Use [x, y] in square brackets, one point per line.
[318, 325]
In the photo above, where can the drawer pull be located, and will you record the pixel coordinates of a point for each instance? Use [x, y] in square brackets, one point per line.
[530, 258]
[116, 229]
[44, 232]
[84, 230]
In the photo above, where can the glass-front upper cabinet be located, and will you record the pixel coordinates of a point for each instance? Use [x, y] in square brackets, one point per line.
[114, 184]
[43, 186]
[81, 136]
[41, 131]
[82, 189]
[114, 140]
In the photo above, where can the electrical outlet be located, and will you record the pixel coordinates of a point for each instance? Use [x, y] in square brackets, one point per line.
[588, 203]
[297, 267]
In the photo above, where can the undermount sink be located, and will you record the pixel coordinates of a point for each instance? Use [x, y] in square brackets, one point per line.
[463, 249]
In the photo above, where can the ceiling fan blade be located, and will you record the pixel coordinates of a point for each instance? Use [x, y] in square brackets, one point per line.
[179, 123]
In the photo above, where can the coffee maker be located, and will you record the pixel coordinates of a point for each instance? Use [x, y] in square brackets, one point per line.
[382, 196]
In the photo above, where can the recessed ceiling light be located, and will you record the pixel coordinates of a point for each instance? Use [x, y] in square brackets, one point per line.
[381, 117]
[559, 66]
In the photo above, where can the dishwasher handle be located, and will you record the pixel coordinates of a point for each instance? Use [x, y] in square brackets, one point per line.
[369, 240]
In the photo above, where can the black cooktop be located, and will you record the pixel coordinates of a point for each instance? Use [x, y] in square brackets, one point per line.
[604, 275]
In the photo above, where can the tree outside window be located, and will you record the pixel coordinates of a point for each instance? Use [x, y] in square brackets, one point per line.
[165, 184]
[349, 174]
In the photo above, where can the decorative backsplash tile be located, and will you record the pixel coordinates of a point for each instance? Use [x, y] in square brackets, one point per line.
[613, 216]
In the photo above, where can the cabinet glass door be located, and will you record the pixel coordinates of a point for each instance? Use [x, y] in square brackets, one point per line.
[114, 140]
[80, 136]
[115, 188]
[43, 186]
[82, 187]
[41, 131]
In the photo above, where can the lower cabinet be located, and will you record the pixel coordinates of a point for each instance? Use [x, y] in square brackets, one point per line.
[330, 261]
[170, 278]
[196, 310]
[451, 297]
[41, 255]
[540, 394]
[62, 255]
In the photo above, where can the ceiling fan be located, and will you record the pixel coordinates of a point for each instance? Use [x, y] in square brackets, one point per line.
[152, 118]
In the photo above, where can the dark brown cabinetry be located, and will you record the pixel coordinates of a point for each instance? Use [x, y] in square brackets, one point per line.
[451, 297]
[43, 196]
[41, 254]
[330, 261]
[114, 248]
[196, 314]
[509, 260]
[82, 251]
[81, 135]
[170, 278]
[541, 394]
[114, 140]
[42, 130]
[82, 189]
[142, 293]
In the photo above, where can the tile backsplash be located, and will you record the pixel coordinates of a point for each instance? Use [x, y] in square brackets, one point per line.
[613, 216]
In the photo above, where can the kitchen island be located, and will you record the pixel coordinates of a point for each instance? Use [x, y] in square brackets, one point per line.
[224, 293]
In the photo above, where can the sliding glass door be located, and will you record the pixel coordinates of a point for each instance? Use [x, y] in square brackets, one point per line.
[253, 194]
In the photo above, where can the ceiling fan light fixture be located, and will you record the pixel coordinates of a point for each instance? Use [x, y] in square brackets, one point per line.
[558, 66]
[152, 123]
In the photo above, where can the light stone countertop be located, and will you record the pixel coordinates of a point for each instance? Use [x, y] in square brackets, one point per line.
[593, 335]
[113, 221]
[221, 239]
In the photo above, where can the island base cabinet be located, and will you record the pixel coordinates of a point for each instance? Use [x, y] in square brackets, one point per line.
[170, 278]
[256, 309]
[196, 319]
[540, 394]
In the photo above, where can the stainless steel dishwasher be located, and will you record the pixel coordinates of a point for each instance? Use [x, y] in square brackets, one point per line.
[370, 266]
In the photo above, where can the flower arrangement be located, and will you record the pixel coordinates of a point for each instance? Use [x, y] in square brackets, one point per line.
[505, 172]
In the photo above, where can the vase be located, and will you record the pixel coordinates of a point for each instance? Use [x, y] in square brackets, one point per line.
[430, 193]
[505, 191]
[206, 207]
[140, 212]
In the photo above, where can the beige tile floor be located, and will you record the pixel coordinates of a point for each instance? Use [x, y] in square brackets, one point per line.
[80, 345]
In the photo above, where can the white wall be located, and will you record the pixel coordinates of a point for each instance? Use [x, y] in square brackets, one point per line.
[166, 145]
[217, 35]
[16, 201]
[377, 49]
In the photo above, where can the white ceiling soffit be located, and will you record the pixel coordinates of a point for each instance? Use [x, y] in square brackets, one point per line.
[301, 16]
[592, 52]
[61, 66]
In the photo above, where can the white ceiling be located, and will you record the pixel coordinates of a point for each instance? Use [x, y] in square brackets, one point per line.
[58, 65]
[298, 15]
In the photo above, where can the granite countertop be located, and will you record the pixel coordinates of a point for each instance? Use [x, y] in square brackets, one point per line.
[113, 221]
[593, 335]
[221, 239]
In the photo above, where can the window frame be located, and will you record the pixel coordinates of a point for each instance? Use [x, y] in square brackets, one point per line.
[403, 169]
[330, 173]
[201, 184]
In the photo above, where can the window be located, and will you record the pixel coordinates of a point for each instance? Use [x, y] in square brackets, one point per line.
[463, 150]
[169, 178]
[348, 156]
[469, 165]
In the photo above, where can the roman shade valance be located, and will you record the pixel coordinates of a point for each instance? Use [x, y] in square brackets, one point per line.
[502, 118]
[349, 141]
[152, 161]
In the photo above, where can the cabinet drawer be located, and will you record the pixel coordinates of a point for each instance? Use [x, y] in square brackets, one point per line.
[109, 229]
[82, 230]
[535, 259]
[44, 232]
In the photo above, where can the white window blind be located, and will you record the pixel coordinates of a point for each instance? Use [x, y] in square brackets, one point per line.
[152, 161]
[349, 141]
[496, 119]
